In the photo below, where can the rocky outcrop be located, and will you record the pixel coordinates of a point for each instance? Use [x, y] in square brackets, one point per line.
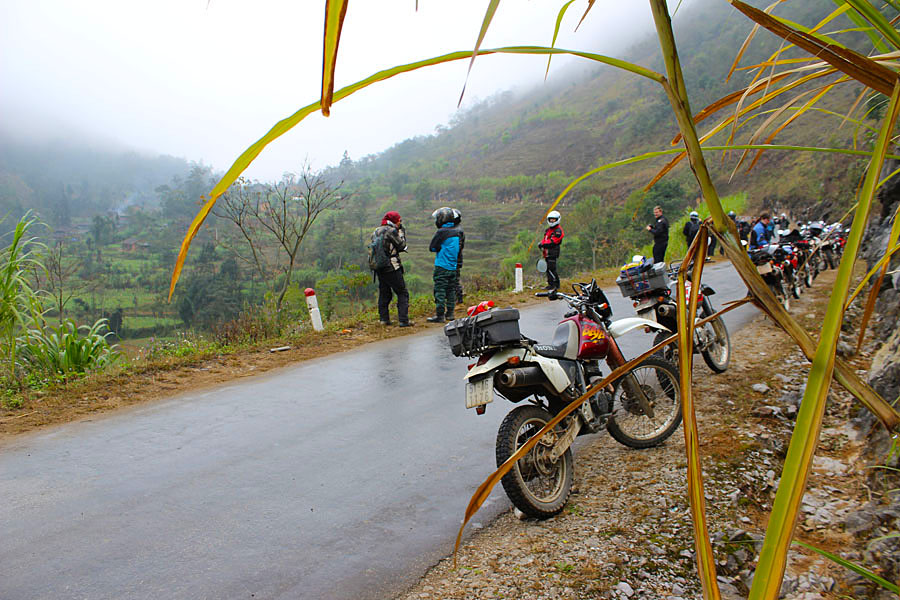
[879, 520]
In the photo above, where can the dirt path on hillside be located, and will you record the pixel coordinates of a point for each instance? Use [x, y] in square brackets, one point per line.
[626, 531]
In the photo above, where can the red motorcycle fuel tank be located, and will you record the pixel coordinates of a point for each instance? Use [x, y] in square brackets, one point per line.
[594, 339]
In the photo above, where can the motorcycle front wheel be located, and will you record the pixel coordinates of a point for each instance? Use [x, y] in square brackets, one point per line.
[807, 276]
[536, 485]
[629, 425]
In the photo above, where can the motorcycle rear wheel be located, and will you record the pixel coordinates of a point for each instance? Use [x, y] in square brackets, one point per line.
[536, 485]
[718, 355]
[629, 425]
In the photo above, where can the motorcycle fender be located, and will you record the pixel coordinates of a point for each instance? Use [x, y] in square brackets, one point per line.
[619, 328]
[499, 358]
[558, 377]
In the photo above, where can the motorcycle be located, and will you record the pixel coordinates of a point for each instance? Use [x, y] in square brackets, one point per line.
[825, 242]
[652, 290]
[772, 273]
[787, 260]
[642, 408]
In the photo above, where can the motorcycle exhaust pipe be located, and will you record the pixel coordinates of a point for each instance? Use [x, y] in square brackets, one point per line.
[666, 310]
[522, 377]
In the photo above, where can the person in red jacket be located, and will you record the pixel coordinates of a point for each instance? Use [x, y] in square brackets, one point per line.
[553, 238]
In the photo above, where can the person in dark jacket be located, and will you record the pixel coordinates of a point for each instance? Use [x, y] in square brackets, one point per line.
[660, 231]
[691, 228]
[446, 245]
[457, 219]
[390, 279]
[553, 237]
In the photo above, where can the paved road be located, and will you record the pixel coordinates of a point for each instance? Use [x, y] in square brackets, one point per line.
[343, 477]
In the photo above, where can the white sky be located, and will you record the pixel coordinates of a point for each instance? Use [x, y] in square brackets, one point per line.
[204, 80]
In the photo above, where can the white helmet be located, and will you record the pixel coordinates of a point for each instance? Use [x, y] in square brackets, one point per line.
[694, 216]
[553, 218]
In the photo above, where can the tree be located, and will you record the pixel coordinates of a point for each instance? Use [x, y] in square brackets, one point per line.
[423, 194]
[58, 277]
[273, 220]
[587, 224]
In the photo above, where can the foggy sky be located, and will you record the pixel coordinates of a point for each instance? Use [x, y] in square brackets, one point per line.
[205, 79]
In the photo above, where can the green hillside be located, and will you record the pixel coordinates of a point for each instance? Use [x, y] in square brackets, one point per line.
[525, 149]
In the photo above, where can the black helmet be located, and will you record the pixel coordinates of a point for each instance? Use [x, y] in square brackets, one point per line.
[442, 216]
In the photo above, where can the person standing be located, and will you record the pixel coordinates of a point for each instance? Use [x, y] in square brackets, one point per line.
[457, 219]
[553, 237]
[759, 235]
[388, 241]
[660, 231]
[691, 228]
[446, 245]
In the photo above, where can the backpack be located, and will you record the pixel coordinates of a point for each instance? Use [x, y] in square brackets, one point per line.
[379, 258]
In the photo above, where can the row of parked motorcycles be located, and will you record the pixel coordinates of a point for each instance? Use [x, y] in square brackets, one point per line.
[790, 265]
[642, 408]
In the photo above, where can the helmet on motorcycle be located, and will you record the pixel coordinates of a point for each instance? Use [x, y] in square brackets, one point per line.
[457, 216]
[442, 216]
[553, 218]
[694, 216]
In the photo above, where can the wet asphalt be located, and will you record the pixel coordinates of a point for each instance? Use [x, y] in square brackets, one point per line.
[341, 477]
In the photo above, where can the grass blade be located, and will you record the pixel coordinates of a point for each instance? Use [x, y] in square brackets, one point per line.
[881, 262]
[858, 569]
[857, 19]
[685, 316]
[559, 18]
[857, 66]
[488, 17]
[786, 508]
[873, 293]
[586, 11]
[873, 16]
[335, 10]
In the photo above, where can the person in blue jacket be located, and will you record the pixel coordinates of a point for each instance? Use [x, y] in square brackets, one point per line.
[759, 235]
[446, 244]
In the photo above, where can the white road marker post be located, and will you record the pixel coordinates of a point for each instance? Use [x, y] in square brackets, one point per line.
[519, 285]
[314, 315]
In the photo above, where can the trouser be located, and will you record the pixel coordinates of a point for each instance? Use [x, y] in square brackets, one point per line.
[713, 241]
[390, 282]
[552, 276]
[445, 282]
[659, 251]
[459, 290]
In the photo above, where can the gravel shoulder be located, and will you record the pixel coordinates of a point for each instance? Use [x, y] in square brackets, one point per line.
[626, 531]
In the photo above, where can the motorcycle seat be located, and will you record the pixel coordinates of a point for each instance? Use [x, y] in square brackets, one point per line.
[565, 342]
[550, 351]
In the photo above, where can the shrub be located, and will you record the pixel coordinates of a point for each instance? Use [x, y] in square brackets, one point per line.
[67, 349]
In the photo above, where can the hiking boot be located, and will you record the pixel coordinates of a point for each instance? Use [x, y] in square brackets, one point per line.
[383, 322]
[436, 319]
[406, 324]
[449, 317]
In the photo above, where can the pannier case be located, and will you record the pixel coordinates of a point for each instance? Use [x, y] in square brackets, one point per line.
[632, 281]
[493, 328]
